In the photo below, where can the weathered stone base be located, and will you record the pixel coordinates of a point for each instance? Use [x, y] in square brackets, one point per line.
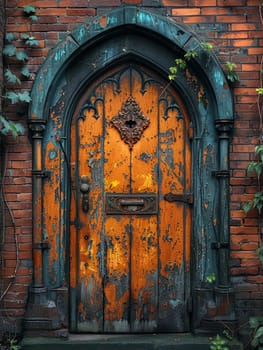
[41, 316]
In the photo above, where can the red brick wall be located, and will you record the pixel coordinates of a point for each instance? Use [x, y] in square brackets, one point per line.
[234, 29]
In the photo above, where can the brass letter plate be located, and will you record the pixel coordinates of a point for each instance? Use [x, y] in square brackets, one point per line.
[131, 203]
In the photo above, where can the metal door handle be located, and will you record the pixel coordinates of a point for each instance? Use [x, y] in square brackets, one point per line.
[84, 189]
[132, 201]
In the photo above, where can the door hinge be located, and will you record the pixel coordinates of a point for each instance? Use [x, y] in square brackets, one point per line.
[219, 245]
[179, 197]
[42, 173]
[221, 174]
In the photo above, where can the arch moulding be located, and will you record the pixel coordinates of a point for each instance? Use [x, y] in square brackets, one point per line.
[128, 34]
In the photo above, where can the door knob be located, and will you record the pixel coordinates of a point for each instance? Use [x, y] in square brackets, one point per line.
[84, 189]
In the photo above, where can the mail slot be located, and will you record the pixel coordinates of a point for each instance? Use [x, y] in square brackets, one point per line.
[131, 203]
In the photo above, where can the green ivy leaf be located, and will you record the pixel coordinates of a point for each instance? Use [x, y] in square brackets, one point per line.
[22, 56]
[230, 66]
[9, 50]
[11, 78]
[25, 36]
[247, 206]
[31, 41]
[211, 278]
[25, 72]
[232, 76]
[24, 96]
[259, 149]
[259, 91]
[12, 96]
[33, 18]
[190, 54]
[255, 321]
[259, 252]
[9, 37]
[206, 46]
[9, 126]
[252, 166]
[180, 63]
[255, 166]
[257, 336]
[29, 9]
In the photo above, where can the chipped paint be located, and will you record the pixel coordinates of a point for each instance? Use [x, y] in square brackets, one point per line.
[112, 185]
[126, 255]
[148, 182]
[59, 55]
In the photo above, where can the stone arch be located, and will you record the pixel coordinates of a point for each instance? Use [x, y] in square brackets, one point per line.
[85, 53]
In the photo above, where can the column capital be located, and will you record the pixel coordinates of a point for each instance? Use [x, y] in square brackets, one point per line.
[37, 126]
[224, 127]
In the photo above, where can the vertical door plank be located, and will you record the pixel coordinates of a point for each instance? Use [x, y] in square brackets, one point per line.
[51, 214]
[90, 249]
[144, 255]
[73, 252]
[172, 303]
[117, 229]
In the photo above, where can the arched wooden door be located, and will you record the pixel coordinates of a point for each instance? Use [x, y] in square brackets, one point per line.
[130, 206]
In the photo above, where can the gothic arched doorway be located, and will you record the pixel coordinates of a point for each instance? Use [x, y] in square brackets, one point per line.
[122, 230]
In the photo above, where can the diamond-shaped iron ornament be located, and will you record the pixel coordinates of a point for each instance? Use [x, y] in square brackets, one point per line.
[130, 122]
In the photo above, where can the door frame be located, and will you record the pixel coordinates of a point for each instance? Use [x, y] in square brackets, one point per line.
[86, 53]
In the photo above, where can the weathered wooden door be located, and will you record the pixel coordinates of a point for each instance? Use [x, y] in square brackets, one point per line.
[130, 206]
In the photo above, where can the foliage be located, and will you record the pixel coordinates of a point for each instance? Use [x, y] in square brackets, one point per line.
[10, 127]
[256, 202]
[30, 11]
[256, 324]
[211, 278]
[181, 63]
[231, 75]
[218, 343]
[9, 343]
[256, 167]
[13, 96]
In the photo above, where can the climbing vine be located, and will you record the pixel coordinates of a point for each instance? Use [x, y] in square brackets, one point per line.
[20, 57]
[181, 63]
[16, 56]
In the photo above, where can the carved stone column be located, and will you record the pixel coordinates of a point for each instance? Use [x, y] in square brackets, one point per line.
[224, 128]
[41, 315]
[223, 293]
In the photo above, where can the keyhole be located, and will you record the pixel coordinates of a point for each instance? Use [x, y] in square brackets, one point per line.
[130, 123]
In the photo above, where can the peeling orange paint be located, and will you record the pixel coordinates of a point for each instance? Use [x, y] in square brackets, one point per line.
[126, 256]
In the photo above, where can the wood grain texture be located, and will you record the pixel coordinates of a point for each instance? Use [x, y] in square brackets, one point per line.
[129, 272]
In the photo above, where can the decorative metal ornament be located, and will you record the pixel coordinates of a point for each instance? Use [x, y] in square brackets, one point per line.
[130, 122]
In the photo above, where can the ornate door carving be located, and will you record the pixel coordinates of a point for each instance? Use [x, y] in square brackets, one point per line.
[130, 206]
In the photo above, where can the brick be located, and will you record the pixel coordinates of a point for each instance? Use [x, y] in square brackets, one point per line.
[201, 3]
[81, 12]
[231, 3]
[229, 19]
[199, 19]
[246, 43]
[211, 11]
[244, 26]
[234, 35]
[236, 271]
[185, 12]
